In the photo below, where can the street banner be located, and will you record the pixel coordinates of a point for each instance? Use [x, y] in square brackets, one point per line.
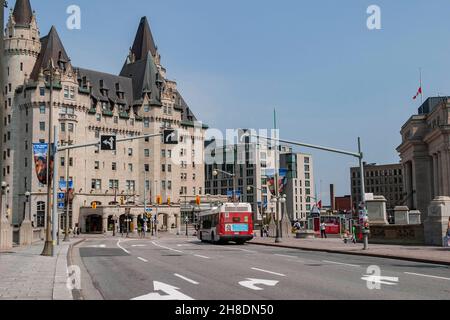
[282, 180]
[40, 151]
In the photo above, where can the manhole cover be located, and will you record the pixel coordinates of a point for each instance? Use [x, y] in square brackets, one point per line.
[102, 252]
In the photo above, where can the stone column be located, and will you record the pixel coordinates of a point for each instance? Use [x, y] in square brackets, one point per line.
[135, 224]
[105, 224]
[440, 175]
[435, 176]
[401, 215]
[445, 173]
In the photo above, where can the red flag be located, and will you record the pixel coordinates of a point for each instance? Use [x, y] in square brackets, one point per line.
[319, 205]
[418, 92]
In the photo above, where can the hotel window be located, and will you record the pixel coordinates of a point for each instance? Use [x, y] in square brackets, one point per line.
[146, 108]
[63, 127]
[98, 116]
[169, 168]
[72, 93]
[63, 161]
[70, 162]
[97, 134]
[146, 153]
[71, 127]
[40, 214]
[163, 153]
[130, 151]
[146, 167]
[114, 166]
[42, 91]
[131, 185]
[42, 126]
[163, 168]
[113, 184]
[146, 123]
[163, 185]
[96, 184]
[97, 165]
[66, 92]
[42, 109]
[169, 185]
[116, 120]
[130, 167]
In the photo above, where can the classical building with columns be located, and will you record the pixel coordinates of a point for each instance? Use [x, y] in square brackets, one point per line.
[140, 100]
[425, 154]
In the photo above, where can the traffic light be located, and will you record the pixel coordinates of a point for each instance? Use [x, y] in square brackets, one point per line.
[198, 200]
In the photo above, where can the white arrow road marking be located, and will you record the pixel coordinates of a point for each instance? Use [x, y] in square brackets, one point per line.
[427, 276]
[270, 272]
[185, 279]
[251, 283]
[390, 281]
[172, 293]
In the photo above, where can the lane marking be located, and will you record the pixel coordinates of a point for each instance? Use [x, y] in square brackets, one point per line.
[252, 283]
[185, 279]
[427, 276]
[171, 293]
[285, 256]
[139, 245]
[167, 248]
[245, 250]
[142, 259]
[200, 256]
[270, 272]
[118, 244]
[343, 264]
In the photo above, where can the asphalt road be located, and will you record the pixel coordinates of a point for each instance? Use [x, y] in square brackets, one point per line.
[172, 268]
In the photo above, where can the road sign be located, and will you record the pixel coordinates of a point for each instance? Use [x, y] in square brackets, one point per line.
[61, 205]
[170, 136]
[230, 193]
[108, 143]
[148, 210]
[61, 196]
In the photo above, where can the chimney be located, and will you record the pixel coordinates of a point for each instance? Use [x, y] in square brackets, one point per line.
[332, 198]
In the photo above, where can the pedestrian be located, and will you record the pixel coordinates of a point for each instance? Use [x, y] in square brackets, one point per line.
[78, 231]
[75, 231]
[297, 226]
[323, 230]
[354, 234]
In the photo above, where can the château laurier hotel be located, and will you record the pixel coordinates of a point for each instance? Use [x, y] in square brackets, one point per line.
[140, 100]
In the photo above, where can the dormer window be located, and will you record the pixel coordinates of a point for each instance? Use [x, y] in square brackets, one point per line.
[105, 106]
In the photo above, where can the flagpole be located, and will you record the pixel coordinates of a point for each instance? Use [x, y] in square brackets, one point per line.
[421, 89]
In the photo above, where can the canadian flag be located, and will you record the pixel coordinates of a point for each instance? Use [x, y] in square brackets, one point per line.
[319, 205]
[418, 92]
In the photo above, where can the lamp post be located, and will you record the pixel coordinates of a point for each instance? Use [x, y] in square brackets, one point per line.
[277, 200]
[27, 217]
[49, 244]
[233, 175]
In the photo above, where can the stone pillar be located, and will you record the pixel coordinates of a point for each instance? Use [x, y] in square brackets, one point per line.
[105, 224]
[401, 215]
[414, 217]
[135, 225]
[440, 175]
[377, 211]
[436, 223]
[435, 176]
[445, 173]
[26, 233]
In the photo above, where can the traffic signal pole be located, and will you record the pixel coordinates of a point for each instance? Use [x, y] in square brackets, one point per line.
[359, 155]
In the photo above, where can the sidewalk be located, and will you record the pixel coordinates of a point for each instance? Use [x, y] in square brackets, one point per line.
[424, 254]
[26, 275]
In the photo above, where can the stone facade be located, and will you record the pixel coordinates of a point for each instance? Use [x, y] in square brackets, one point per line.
[425, 154]
[88, 104]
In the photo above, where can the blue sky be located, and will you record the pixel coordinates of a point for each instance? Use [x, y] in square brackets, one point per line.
[330, 78]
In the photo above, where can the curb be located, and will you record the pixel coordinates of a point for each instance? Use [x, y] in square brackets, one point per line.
[375, 255]
[60, 291]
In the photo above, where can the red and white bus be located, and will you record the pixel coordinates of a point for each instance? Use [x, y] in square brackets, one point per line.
[228, 222]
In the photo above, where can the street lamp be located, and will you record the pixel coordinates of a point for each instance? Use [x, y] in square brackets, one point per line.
[233, 175]
[278, 200]
[27, 198]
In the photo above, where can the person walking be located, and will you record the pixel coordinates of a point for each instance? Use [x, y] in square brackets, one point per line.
[354, 234]
[323, 230]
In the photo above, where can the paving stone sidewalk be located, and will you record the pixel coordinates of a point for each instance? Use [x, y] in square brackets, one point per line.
[425, 254]
[26, 275]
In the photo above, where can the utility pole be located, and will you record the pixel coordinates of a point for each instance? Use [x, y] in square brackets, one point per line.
[277, 193]
[363, 197]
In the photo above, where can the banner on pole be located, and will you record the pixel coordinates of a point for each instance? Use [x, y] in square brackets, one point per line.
[282, 180]
[40, 152]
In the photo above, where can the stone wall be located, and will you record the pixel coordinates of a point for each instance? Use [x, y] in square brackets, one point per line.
[397, 234]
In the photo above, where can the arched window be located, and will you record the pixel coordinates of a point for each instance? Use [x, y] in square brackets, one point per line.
[40, 214]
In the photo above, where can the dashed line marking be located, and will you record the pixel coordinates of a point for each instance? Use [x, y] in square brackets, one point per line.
[185, 279]
[270, 272]
[200, 256]
[285, 256]
[167, 248]
[142, 259]
[342, 264]
[427, 276]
